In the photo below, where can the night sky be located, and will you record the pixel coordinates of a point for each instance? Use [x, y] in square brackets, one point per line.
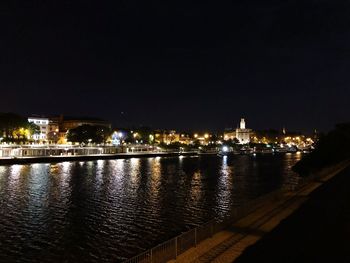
[167, 64]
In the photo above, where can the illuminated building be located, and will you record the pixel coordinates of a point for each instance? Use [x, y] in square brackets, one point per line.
[202, 139]
[117, 138]
[43, 124]
[68, 122]
[229, 135]
[242, 133]
[53, 126]
[169, 137]
[53, 129]
[185, 139]
[166, 137]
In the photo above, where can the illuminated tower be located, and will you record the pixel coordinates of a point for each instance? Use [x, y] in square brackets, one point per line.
[242, 125]
[243, 134]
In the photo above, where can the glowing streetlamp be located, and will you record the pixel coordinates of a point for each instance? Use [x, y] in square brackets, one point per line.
[120, 135]
[151, 138]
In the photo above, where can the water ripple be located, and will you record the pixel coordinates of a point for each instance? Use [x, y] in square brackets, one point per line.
[106, 211]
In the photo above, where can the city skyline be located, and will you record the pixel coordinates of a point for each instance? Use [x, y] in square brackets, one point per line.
[92, 120]
[278, 64]
[167, 131]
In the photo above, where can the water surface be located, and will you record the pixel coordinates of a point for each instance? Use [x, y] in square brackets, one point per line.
[108, 210]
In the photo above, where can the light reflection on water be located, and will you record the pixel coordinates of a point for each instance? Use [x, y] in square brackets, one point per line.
[134, 167]
[106, 210]
[154, 180]
[224, 188]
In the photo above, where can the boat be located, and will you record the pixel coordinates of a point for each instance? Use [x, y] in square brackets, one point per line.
[225, 151]
[280, 150]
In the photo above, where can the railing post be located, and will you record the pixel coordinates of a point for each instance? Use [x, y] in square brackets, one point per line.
[176, 247]
[152, 255]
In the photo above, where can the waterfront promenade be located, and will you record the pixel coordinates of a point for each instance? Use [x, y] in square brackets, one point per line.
[60, 153]
[314, 226]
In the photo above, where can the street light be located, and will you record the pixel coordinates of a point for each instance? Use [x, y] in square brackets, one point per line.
[120, 136]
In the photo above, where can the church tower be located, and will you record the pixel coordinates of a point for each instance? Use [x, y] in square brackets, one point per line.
[242, 125]
[243, 134]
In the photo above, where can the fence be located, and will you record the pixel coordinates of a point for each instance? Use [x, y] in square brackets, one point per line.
[51, 150]
[172, 248]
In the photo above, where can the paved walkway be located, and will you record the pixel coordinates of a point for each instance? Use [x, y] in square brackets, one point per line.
[228, 245]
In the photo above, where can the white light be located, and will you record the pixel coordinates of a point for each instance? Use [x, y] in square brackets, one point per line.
[225, 149]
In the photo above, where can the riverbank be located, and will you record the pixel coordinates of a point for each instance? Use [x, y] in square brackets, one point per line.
[70, 158]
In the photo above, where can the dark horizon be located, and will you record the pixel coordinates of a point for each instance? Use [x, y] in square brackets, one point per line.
[179, 66]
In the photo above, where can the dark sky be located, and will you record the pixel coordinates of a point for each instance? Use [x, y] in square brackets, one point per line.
[167, 64]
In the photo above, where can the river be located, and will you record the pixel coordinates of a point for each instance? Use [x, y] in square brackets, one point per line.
[109, 210]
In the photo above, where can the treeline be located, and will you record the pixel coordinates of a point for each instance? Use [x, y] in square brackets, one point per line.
[89, 134]
[14, 128]
[331, 148]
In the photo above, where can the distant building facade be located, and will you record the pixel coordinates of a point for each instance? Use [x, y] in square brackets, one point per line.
[53, 135]
[54, 129]
[66, 123]
[185, 139]
[242, 133]
[229, 134]
[167, 137]
[203, 139]
[43, 124]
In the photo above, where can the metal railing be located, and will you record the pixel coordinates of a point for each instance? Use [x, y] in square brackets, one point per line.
[174, 247]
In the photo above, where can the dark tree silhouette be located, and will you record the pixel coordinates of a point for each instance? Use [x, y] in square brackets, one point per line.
[331, 148]
[88, 133]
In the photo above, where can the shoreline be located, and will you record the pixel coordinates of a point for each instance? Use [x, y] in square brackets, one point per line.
[93, 157]
[72, 158]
